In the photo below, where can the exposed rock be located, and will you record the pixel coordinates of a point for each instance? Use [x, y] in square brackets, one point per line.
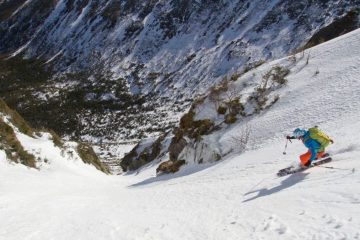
[339, 27]
[143, 153]
[170, 166]
[88, 156]
[177, 145]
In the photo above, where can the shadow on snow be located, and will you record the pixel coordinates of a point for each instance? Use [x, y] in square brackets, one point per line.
[184, 171]
[286, 183]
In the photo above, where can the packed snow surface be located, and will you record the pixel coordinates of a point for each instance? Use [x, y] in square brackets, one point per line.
[237, 198]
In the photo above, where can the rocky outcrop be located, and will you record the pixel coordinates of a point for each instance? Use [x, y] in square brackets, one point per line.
[176, 146]
[338, 27]
[143, 153]
[169, 167]
[88, 156]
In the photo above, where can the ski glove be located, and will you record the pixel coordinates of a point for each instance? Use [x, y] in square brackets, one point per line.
[290, 137]
[332, 141]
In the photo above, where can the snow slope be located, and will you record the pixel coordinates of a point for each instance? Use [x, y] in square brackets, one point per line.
[238, 198]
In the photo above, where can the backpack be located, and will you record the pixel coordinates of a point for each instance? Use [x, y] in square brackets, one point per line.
[320, 137]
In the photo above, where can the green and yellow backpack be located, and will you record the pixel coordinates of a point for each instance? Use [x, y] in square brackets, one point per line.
[320, 137]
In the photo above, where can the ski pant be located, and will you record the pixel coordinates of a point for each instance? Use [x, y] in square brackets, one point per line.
[304, 158]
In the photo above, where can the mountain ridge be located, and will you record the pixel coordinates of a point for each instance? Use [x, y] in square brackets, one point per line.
[148, 60]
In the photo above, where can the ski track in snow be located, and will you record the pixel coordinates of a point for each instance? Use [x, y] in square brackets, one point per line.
[238, 198]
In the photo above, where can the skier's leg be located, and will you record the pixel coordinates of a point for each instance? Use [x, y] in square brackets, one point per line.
[319, 155]
[304, 158]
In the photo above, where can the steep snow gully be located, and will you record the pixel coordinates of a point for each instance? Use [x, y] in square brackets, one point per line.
[238, 198]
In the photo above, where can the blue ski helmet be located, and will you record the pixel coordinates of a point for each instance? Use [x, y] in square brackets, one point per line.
[298, 133]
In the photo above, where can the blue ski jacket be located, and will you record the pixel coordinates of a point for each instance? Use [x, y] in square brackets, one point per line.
[311, 144]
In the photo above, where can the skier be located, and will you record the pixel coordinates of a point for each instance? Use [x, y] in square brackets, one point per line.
[314, 140]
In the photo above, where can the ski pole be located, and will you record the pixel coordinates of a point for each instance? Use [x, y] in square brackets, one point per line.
[284, 152]
[345, 169]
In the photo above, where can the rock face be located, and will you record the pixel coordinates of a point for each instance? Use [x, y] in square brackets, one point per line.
[159, 54]
[143, 153]
[170, 166]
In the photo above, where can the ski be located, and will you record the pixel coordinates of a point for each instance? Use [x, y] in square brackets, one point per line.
[290, 170]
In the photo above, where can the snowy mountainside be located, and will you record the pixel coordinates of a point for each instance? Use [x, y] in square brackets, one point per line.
[161, 54]
[19, 143]
[237, 198]
[310, 88]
